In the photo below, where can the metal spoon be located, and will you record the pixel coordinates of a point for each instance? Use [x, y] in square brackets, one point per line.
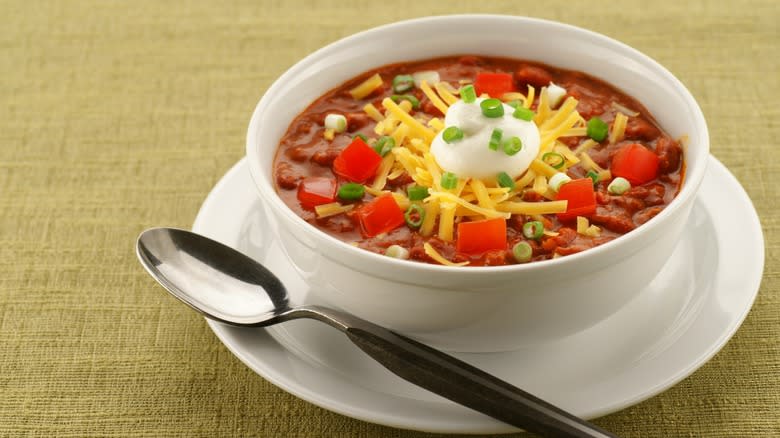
[228, 286]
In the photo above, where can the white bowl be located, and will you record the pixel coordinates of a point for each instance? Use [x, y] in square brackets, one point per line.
[479, 309]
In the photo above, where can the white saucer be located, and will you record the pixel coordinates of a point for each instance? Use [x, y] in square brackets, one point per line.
[672, 328]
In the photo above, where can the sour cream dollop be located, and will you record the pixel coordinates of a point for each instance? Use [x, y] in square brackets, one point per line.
[470, 157]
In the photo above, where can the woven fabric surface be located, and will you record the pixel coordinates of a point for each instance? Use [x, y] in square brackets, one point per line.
[118, 116]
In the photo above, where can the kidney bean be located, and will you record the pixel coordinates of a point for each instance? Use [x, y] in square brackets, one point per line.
[297, 153]
[356, 121]
[669, 153]
[640, 129]
[325, 157]
[286, 176]
[532, 75]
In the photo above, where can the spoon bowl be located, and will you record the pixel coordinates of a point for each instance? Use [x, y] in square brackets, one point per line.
[217, 281]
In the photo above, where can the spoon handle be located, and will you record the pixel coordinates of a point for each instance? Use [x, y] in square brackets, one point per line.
[460, 382]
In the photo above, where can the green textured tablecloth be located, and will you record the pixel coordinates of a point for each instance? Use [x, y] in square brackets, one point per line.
[117, 116]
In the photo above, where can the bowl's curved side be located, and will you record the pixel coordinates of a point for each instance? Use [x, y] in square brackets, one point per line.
[335, 265]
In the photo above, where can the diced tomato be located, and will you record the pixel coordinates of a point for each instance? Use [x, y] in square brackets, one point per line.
[314, 191]
[635, 163]
[476, 237]
[580, 196]
[380, 216]
[357, 162]
[494, 84]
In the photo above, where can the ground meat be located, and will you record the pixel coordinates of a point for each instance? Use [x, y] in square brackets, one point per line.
[401, 181]
[603, 198]
[613, 222]
[495, 258]
[532, 75]
[629, 204]
[651, 194]
[590, 103]
[565, 236]
[532, 196]
[286, 176]
[646, 214]
[516, 222]
[325, 157]
[566, 250]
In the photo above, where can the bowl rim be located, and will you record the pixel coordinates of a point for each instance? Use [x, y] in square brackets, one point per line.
[692, 179]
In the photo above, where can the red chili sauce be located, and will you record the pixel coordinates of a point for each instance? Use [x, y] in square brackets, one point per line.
[304, 153]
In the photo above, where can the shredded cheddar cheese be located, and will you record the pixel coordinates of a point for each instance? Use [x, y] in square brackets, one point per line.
[331, 209]
[372, 112]
[432, 253]
[473, 199]
[366, 87]
[618, 128]
[533, 207]
[445, 93]
[435, 99]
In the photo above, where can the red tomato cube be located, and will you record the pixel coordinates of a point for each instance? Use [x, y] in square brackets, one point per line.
[476, 237]
[580, 196]
[314, 191]
[357, 162]
[635, 163]
[380, 216]
[494, 84]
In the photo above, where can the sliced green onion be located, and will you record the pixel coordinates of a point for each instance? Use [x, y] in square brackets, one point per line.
[361, 136]
[514, 104]
[593, 175]
[468, 93]
[449, 180]
[452, 134]
[513, 146]
[351, 191]
[414, 216]
[597, 129]
[557, 180]
[492, 108]
[523, 113]
[522, 252]
[397, 252]
[417, 193]
[533, 230]
[504, 180]
[403, 83]
[554, 159]
[384, 144]
[495, 139]
[336, 122]
[618, 186]
[397, 98]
